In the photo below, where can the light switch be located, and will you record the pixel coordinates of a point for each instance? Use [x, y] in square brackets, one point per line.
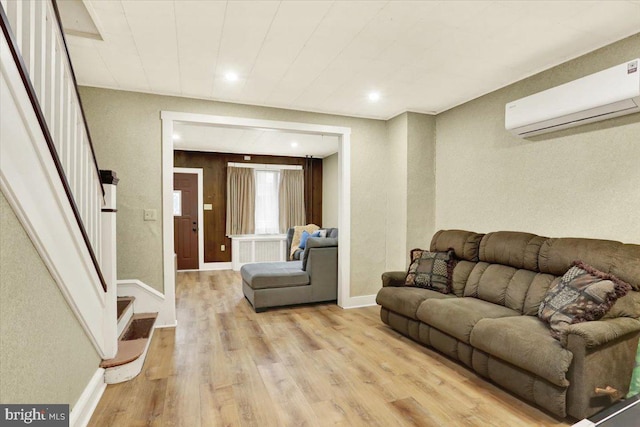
[208, 207]
[223, 248]
[150, 215]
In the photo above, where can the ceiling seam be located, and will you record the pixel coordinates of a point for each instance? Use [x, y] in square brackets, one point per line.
[175, 23]
[215, 67]
[264, 39]
[146, 77]
[300, 51]
[342, 50]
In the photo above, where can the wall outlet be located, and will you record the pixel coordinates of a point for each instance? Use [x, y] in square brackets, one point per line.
[150, 214]
[208, 207]
[247, 157]
[223, 248]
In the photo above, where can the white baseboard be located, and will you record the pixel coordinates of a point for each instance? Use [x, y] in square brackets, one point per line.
[148, 300]
[360, 301]
[211, 266]
[86, 404]
[171, 325]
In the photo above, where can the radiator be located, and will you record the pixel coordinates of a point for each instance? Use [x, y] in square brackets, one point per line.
[257, 248]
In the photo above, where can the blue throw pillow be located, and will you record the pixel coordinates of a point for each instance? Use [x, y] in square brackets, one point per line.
[305, 236]
[303, 240]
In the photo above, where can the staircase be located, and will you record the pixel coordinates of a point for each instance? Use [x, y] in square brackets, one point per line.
[135, 332]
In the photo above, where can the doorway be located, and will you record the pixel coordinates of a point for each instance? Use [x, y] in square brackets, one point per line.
[344, 187]
[185, 220]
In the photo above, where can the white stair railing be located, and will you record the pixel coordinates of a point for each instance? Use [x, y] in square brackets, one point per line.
[37, 32]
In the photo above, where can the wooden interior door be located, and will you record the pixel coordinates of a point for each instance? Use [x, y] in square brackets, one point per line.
[185, 220]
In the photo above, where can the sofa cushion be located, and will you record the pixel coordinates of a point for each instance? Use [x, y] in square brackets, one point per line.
[431, 270]
[297, 255]
[460, 276]
[515, 249]
[464, 243]
[458, 316]
[406, 300]
[525, 342]
[582, 294]
[623, 260]
[297, 235]
[274, 274]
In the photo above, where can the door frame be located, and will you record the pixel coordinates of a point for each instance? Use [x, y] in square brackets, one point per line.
[345, 300]
[197, 171]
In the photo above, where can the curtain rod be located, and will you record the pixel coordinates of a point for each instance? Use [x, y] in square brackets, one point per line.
[264, 166]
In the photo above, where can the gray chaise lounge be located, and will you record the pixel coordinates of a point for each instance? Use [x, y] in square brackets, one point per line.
[313, 278]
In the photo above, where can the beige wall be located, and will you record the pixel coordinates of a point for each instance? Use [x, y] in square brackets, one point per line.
[421, 181]
[330, 167]
[411, 186]
[126, 132]
[46, 356]
[578, 182]
[395, 172]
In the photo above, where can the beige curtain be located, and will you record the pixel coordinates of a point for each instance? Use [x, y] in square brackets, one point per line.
[291, 199]
[241, 201]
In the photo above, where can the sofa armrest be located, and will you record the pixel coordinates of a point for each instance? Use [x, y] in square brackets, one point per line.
[597, 333]
[604, 353]
[394, 278]
[321, 242]
[316, 242]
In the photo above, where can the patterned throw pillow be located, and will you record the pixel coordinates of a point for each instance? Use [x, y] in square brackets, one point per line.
[582, 294]
[431, 270]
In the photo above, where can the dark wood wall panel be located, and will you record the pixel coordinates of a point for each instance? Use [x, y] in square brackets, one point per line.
[214, 166]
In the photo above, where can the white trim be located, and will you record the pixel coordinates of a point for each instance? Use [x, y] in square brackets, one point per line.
[344, 220]
[199, 172]
[169, 264]
[32, 186]
[264, 166]
[148, 300]
[88, 400]
[344, 191]
[360, 301]
[211, 266]
[258, 236]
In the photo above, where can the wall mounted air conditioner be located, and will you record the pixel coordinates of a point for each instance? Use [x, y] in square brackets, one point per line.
[610, 93]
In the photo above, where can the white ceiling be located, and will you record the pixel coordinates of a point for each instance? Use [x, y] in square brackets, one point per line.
[201, 137]
[326, 56]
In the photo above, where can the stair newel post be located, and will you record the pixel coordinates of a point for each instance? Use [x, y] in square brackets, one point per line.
[109, 262]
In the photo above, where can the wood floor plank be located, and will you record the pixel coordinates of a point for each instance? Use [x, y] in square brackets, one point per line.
[316, 365]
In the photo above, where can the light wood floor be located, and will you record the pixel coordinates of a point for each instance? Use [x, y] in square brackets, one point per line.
[318, 365]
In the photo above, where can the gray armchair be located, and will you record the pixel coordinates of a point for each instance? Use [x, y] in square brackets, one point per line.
[313, 278]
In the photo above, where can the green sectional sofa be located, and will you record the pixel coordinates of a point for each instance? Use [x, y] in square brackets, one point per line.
[489, 322]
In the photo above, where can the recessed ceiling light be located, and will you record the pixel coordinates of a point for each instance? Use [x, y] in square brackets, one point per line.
[294, 144]
[176, 137]
[374, 96]
[231, 76]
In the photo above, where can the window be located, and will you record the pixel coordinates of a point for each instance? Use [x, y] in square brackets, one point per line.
[177, 202]
[267, 215]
